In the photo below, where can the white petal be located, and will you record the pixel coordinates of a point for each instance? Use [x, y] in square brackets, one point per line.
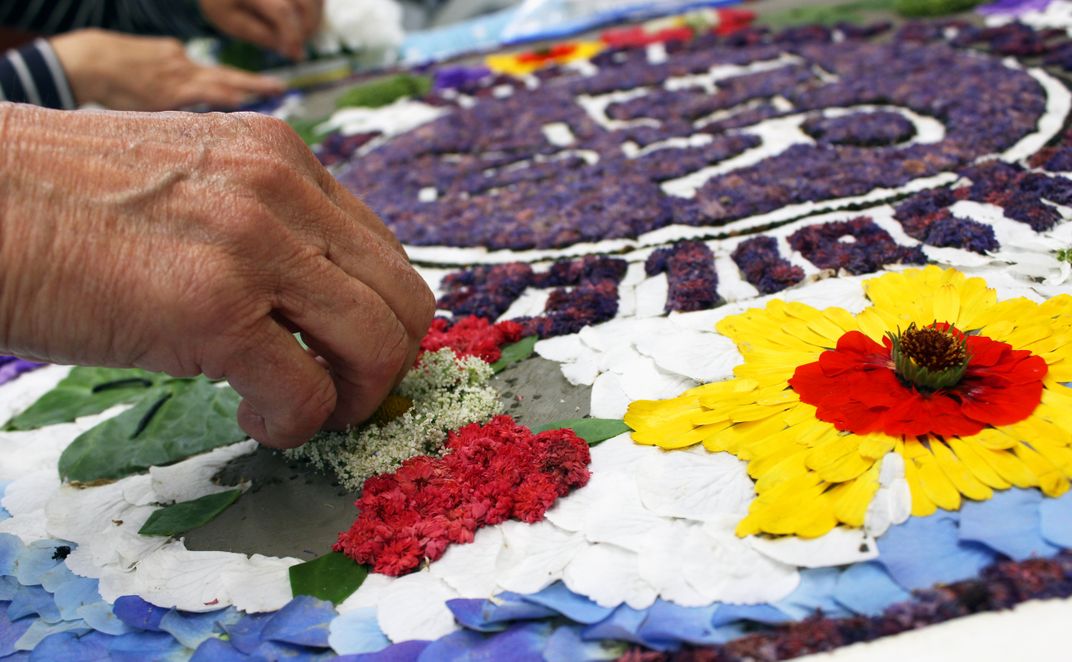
[534, 555]
[31, 492]
[659, 562]
[172, 576]
[413, 607]
[702, 357]
[369, 594]
[531, 303]
[17, 396]
[562, 349]
[620, 454]
[617, 516]
[651, 296]
[470, 569]
[723, 567]
[841, 546]
[259, 583]
[609, 399]
[609, 575]
[192, 478]
[698, 486]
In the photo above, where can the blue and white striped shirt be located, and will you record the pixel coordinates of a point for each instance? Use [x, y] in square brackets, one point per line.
[33, 74]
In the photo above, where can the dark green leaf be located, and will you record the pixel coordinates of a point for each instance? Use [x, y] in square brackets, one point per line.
[182, 517]
[83, 392]
[384, 91]
[171, 422]
[331, 577]
[592, 430]
[511, 354]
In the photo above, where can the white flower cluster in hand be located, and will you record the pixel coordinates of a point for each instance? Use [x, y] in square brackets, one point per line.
[447, 392]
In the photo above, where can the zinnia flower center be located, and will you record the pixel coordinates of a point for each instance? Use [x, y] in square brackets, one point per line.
[930, 358]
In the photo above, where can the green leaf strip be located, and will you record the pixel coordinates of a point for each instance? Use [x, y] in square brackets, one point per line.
[182, 517]
[514, 353]
[593, 430]
[332, 577]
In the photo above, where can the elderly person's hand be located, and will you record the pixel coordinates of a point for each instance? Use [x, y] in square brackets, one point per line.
[198, 244]
[281, 25]
[124, 72]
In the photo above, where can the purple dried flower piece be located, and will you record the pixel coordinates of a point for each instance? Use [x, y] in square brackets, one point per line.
[875, 129]
[485, 291]
[859, 246]
[764, 267]
[690, 274]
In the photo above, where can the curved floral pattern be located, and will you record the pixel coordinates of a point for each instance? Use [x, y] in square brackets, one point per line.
[985, 443]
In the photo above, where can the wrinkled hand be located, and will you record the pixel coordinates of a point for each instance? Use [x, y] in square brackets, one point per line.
[197, 244]
[124, 72]
[282, 25]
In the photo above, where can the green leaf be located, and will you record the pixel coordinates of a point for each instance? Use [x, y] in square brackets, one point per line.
[171, 422]
[307, 129]
[83, 392]
[592, 430]
[331, 577]
[511, 354]
[182, 517]
[384, 91]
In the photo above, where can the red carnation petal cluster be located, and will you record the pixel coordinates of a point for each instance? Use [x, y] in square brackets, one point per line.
[491, 473]
[471, 336]
[856, 388]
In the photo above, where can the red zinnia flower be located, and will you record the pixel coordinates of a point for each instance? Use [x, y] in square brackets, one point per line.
[857, 388]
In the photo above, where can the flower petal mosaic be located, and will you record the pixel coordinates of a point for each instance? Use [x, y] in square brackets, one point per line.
[811, 289]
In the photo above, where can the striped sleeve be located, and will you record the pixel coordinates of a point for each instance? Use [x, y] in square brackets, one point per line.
[32, 74]
[177, 18]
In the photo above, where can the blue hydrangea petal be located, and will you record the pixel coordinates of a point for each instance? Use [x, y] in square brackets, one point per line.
[68, 646]
[1008, 522]
[521, 642]
[245, 635]
[815, 593]
[74, 594]
[100, 617]
[623, 624]
[59, 574]
[1055, 520]
[11, 631]
[866, 588]
[9, 586]
[472, 613]
[141, 646]
[36, 559]
[357, 631]
[406, 651]
[575, 607]
[277, 650]
[192, 629]
[303, 621]
[769, 614]
[10, 548]
[509, 606]
[668, 625]
[138, 613]
[33, 600]
[217, 650]
[566, 645]
[924, 551]
[38, 630]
